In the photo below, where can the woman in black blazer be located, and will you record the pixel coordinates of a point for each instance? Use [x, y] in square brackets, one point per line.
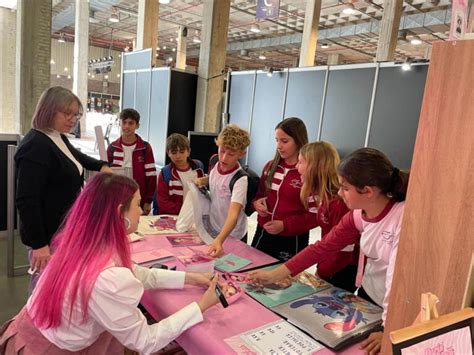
[50, 173]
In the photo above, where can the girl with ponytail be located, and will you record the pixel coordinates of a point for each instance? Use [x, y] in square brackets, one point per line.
[374, 190]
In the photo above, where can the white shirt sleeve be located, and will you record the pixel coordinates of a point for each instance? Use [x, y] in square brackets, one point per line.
[159, 278]
[239, 191]
[113, 304]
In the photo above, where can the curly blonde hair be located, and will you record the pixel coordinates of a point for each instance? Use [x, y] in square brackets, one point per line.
[233, 137]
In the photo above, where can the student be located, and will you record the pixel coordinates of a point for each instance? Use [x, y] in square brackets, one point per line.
[283, 221]
[131, 151]
[375, 192]
[227, 214]
[317, 164]
[174, 177]
[86, 299]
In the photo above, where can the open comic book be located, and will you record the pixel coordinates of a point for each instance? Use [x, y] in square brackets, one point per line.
[332, 316]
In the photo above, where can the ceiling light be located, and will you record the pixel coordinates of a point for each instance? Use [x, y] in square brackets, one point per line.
[61, 38]
[126, 49]
[416, 41]
[118, 75]
[255, 28]
[52, 61]
[93, 76]
[196, 39]
[262, 57]
[58, 76]
[164, 47]
[349, 9]
[66, 69]
[407, 65]
[106, 76]
[174, 49]
[69, 77]
[114, 17]
[325, 45]
[170, 59]
[164, 2]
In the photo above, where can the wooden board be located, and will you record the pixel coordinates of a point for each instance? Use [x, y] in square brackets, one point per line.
[437, 238]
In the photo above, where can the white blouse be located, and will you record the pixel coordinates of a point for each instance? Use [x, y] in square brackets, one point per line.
[113, 308]
[55, 136]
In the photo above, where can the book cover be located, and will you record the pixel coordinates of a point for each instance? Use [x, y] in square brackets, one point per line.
[197, 262]
[185, 240]
[157, 224]
[333, 316]
[285, 290]
[149, 256]
[231, 262]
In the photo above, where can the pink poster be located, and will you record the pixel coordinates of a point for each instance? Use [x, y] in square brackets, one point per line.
[459, 14]
[455, 342]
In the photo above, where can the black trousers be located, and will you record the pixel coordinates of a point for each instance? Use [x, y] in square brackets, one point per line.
[344, 278]
[280, 247]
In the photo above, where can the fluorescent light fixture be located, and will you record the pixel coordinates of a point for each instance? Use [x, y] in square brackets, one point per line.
[114, 18]
[174, 49]
[93, 76]
[106, 76]
[270, 72]
[262, 57]
[66, 69]
[170, 59]
[61, 38]
[349, 9]
[52, 62]
[58, 76]
[164, 2]
[164, 47]
[416, 41]
[69, 77]
[255, 28]
[196, 39]
[118, 75]
[325, 45]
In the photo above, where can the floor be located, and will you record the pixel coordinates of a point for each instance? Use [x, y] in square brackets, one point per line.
[14, 290]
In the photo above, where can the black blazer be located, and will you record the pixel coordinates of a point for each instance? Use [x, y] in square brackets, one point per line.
[48, 182]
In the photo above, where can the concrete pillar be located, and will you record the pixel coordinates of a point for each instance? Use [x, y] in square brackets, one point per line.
[181, 48]
[33, 53]
[81, 55]
[392, 12]
[310, 33]
[8, 124]
[334, 59]
[147, 26]
[212, 55]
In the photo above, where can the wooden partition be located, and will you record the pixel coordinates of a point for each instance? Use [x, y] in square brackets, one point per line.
[437, 238]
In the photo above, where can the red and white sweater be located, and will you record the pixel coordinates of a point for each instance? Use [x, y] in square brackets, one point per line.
[143, 165]
[170, 195]
[283, 200]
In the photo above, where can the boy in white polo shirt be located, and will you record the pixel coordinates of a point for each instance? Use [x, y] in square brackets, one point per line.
[227, 207]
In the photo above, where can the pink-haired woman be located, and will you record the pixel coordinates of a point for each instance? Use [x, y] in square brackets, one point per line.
[50, 173]
[86, 298]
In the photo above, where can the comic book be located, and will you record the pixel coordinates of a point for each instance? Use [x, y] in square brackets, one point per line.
[332, 316]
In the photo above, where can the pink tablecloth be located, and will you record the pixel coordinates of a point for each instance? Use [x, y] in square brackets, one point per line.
[219, 323]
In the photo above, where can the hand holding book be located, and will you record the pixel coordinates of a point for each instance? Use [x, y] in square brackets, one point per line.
[263, 277]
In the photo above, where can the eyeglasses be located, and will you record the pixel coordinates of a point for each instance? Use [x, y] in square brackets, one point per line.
[75, 115]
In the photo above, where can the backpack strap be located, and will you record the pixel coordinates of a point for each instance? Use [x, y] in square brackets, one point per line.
[240, 173]
[213, 161]
[166, 173]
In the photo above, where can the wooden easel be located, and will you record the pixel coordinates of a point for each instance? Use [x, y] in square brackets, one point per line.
[428, 309]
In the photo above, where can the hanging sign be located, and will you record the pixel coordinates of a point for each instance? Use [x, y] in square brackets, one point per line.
[267, 9]
[459, 14]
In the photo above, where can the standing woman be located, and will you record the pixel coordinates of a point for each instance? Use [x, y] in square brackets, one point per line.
[50, 173]
[283, 221]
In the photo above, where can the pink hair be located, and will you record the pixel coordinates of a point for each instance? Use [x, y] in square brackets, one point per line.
[92, 234]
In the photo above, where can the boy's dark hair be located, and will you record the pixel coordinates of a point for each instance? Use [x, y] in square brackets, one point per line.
[131, 114]
[176, 142]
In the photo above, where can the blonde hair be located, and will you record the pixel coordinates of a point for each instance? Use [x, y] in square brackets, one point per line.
[233, 137]
[320, 180]
[53, 100]
[296, 129]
